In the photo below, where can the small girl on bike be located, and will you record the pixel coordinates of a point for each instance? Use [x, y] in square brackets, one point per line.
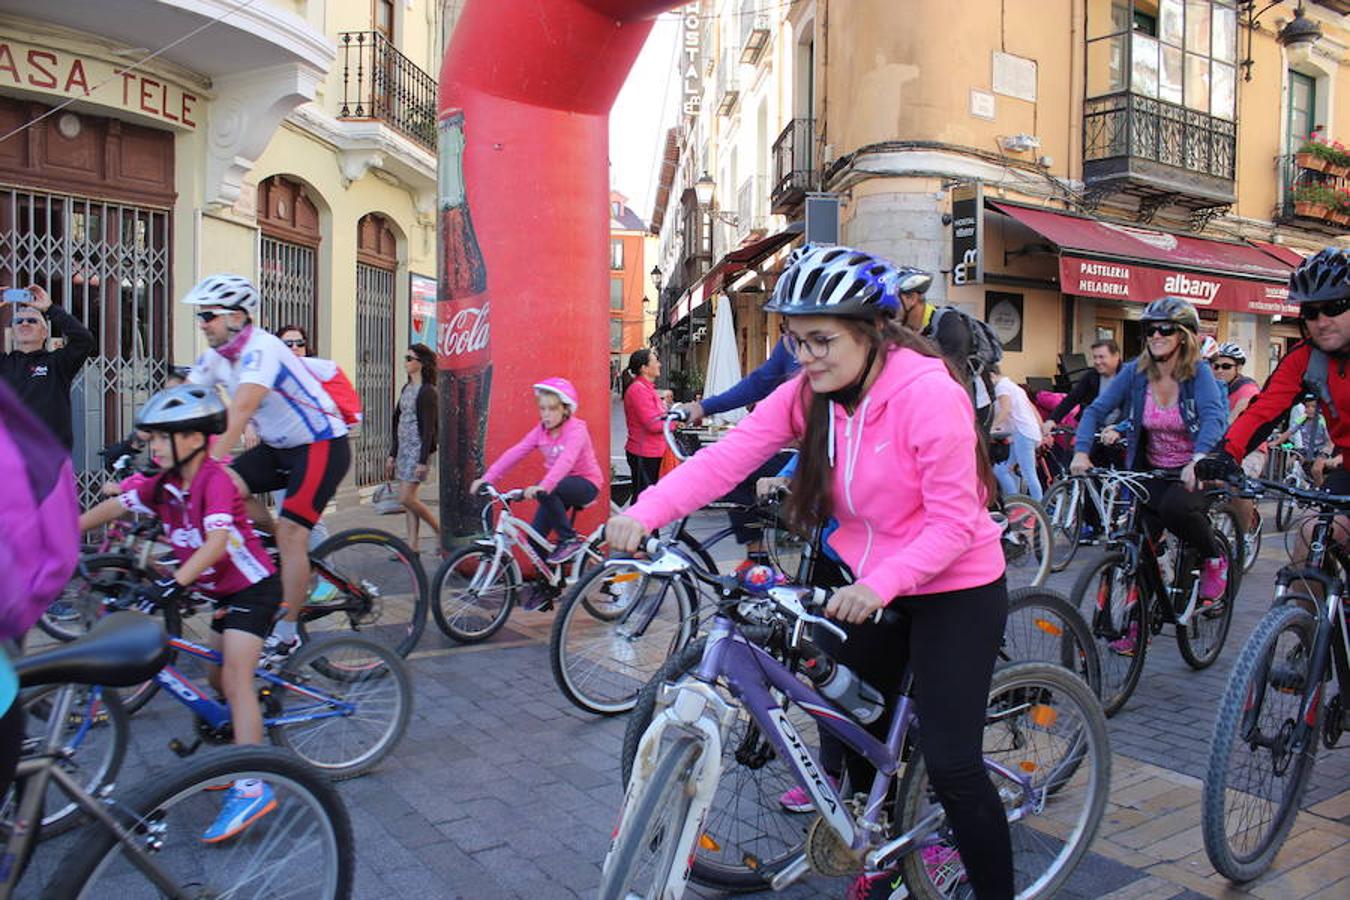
[219, 554]
[573, 478]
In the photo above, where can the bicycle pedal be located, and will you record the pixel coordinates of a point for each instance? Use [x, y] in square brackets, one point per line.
[184, 750]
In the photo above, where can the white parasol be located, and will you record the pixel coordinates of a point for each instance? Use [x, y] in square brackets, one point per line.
[724, 359]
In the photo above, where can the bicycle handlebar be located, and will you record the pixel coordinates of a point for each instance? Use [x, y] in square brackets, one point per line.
[671, 416]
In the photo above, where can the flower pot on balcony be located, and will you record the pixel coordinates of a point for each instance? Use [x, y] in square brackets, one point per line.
[1338, 218]
[1310, 161]
[1310, 210]
[1337, 171]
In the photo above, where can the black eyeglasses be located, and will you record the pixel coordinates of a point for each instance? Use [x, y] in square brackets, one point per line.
[294, 343]
[1166, 329]
[1224, 367]
[1311, 311]
[817, 345]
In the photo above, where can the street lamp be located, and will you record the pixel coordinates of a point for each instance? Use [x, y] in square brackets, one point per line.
[657, 278]
[1298, 32]
[703, 193]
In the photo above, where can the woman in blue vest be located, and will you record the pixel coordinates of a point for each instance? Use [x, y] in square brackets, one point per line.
[1176, 412]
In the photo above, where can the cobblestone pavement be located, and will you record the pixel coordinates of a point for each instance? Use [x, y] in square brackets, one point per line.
[502, 789]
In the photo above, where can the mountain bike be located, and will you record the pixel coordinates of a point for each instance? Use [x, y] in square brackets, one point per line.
[1296, 476]
[1027, 540]
[148, 842]
[1286, 693]
[1045, 744]
[1147, 579]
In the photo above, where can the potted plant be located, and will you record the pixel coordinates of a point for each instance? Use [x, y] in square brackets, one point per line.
[1338, 160]
[1314, 200]
[1340, 214]
[1319, 155]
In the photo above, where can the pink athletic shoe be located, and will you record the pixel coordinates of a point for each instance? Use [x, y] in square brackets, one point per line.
[1213, 578]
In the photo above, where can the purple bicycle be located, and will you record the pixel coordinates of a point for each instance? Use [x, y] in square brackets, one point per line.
[749, 704]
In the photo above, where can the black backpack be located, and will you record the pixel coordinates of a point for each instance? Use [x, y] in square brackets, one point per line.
[986, 350]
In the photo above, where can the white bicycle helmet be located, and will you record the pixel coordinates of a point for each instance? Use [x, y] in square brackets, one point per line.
[226, 292]
[1233, 352]
[835, 281]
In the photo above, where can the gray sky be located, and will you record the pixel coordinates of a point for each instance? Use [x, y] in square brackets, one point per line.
[640, 117]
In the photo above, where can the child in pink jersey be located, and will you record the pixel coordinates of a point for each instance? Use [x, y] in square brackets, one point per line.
[219, 554]
[573, 478]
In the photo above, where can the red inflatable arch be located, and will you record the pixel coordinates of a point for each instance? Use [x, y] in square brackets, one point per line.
[523, 225]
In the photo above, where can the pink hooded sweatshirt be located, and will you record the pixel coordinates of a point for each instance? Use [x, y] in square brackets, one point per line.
[905, 488]
[569, 452]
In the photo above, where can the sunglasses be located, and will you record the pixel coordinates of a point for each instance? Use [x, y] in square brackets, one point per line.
[27, 321]
[1311, 311]
[1224, 367]
[409, 357]
[1166, 329]
[209, 315]
[294, 343]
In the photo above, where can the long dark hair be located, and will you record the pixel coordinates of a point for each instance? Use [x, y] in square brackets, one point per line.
[811, 502]
[427, 358]
[636, 361]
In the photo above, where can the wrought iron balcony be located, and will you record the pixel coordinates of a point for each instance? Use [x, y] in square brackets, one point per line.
[728, 81]
[1163, 152]
[1316, 198]
[794, 169]
[380, 83]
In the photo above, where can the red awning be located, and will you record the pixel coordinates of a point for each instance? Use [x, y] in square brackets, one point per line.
[1281, 252]
[1123, 262]
[732, 263]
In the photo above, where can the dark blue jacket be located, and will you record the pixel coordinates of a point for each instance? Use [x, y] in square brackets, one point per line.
[778, 368]
[1204, 409]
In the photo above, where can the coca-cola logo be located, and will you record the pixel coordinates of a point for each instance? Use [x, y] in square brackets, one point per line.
[465, 332]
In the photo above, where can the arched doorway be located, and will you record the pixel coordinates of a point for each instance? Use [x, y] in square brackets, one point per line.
[289, 222]
[376, 268]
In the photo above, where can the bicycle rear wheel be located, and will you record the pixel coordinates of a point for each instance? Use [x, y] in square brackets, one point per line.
[1044, 627]
[1027, 542]
[1113, 603]
[1256, 777]
[646, 850]
[1201, 640]
[615, 628]
[302, 849]
[370, 582]
[363, 706]
[1048, 754]
[469, 601]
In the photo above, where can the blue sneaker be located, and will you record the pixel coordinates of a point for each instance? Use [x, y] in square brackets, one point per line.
[61, 611]
[239, 812]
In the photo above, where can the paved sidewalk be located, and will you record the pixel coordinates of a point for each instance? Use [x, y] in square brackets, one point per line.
[502, 789]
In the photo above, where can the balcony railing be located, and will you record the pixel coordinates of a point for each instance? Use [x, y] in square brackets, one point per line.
[754, 32]
[1312, 196]
[794, 170]
[380, 83]
[751, 206]
[1128, 136]
[728, 81]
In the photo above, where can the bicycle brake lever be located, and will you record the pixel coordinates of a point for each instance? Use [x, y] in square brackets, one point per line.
[789, 600]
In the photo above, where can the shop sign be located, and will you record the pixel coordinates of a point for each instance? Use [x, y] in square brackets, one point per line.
[422, 311]
[48, 70]
[1117, 280]
[1003, 312]
[691, 51]
[967, 234]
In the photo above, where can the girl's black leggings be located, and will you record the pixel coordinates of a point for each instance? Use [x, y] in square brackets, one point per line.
[551, 517]
[1184, 513]
[950, 640]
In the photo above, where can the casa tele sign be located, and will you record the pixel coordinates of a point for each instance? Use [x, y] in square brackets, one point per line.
[1116, 280]
[50, 71]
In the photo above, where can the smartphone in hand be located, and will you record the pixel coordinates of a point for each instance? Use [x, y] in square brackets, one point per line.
[18, 295]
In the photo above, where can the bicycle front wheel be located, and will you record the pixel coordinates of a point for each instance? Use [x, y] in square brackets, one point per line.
[1201, 640]
[616, 627]
[301, 849]
[1258, 766]
[647, 849]
[1064, 505]
[1044, 627]
[1027, 542]
[470, 601]
[1048, 755]
[346, 707]
[370, 582]
[1113, 603]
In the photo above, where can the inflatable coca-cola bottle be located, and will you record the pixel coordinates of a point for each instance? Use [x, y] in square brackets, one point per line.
[464, 356]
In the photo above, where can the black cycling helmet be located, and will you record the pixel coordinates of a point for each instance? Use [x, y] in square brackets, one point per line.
[835, 281]
[185, 407]
[1321, 277]
[1173, 309]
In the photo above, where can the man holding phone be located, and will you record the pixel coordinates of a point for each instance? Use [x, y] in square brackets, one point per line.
[42, 377]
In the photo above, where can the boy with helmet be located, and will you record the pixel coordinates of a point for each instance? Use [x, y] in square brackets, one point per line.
[573, 477]
[302, 438]
[909, 491]
[219, 554]
[1227, 365]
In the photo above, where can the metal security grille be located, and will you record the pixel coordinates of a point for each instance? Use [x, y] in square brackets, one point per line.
[289, 285]
[108, 265]
[374, 369]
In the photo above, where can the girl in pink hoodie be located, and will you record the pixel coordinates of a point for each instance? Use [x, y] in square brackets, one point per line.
[889, 448]
[573, 478]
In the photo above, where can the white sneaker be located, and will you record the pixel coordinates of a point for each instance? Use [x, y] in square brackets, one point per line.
[275, 650]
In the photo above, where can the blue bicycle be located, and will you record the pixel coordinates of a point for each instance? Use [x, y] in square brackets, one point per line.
[747, 704]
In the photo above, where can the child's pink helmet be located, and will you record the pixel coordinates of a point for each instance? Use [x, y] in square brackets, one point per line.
[562, 388]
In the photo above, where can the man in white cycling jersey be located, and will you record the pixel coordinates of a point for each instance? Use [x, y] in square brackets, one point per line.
[302, 440]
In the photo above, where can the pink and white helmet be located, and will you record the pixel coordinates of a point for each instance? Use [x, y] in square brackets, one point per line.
[1209, 348]
[562, 388]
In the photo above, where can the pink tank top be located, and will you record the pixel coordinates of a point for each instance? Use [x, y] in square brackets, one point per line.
[1169, 443]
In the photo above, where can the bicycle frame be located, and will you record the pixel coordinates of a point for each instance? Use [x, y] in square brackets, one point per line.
[217, 714]
[512, 532]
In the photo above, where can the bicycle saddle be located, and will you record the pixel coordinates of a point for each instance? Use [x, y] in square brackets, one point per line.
[122, 649]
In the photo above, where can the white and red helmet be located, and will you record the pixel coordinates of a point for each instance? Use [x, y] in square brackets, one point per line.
[560, 387]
